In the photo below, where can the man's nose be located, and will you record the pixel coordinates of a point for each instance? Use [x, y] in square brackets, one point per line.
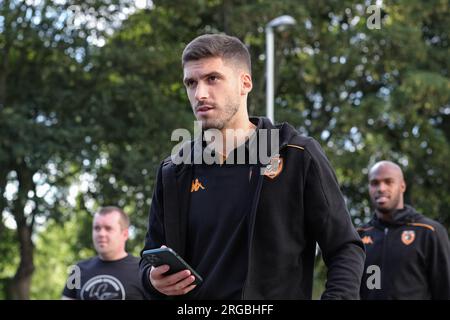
[201, 92]
[381, 187]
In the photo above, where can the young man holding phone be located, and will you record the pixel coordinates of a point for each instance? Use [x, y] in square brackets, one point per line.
[249, 229]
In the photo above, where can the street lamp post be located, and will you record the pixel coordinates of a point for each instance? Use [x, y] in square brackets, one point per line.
[277, 22]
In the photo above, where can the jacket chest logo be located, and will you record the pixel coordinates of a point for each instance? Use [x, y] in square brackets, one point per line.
[408, 237]
[274, 168]
[367, 240]
[196, 185]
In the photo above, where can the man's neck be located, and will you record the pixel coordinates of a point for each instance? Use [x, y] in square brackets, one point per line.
[236, 136]
[113, 257]
[236, 132]
[385, 216]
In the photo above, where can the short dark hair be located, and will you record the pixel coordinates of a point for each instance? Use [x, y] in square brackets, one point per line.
[217, 45]
[124, 219]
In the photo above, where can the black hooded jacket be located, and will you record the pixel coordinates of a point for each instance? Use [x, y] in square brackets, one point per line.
[292, 212]
[412, 254]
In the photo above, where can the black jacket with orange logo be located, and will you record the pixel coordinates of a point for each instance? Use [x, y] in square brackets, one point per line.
[293, 209]
[413, 257]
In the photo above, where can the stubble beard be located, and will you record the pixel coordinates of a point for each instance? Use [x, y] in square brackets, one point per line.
[390, 209]
[229, 111]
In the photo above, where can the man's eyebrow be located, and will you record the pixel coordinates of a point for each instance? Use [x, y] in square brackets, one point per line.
[206, 75]
[213, 73]
[381, 179]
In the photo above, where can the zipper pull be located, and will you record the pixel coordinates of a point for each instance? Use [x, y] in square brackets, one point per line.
[386, 231]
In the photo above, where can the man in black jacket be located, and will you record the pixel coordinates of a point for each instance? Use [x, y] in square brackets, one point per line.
[249, 229]
[408, 255]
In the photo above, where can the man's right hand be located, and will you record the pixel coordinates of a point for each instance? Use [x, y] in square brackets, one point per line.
[171, 285]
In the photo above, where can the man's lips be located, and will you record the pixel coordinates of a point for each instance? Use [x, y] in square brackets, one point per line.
[203, 109]
[381, 199]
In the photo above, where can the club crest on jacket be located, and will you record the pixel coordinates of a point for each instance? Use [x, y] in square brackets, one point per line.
[274, 168]
[367, 240]
[408, 237]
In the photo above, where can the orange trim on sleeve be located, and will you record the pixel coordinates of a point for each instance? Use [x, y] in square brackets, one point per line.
[364, 229]
[422, 225]
[294, 146]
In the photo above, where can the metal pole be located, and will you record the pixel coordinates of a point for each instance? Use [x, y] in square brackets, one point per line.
[269, 73]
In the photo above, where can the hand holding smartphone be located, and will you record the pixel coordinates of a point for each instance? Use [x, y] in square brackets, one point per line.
[161, 256]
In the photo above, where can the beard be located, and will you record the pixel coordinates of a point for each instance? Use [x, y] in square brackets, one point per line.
[389, 207]
[383, 210]
[220, 122]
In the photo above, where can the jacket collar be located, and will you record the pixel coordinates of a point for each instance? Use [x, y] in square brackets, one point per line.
[286, 132]
[401, 217]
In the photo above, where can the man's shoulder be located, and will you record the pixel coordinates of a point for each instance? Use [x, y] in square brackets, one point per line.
[132, 259]
[88, 263]
[291, 137]
[311, 148]
[304, 142]
[365, 228]
[181, 154]
[426, 223]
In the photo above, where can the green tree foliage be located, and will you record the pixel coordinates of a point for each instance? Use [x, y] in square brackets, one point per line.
[44, 88]
[9, 259]
[139, 87]
[101, 110]
[54, 257]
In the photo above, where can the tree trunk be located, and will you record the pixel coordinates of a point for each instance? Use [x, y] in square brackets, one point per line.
[19, 287]
[4, 282]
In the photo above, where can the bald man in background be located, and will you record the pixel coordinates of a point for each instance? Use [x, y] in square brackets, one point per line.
[407, 254]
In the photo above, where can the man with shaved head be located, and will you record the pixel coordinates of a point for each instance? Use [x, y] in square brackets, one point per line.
[407, 254]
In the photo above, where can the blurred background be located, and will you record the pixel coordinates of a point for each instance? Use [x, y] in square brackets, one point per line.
[90, 92]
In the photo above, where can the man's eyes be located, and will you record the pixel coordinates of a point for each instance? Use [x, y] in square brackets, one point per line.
[192, 83]
[100, 228]
[376, 183]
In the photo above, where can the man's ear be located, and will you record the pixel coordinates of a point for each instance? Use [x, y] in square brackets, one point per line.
[126, 232]
[246, 83]
[403, 186]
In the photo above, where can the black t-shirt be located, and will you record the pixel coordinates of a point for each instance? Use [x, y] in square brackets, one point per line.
[106, 280]
[218, 228]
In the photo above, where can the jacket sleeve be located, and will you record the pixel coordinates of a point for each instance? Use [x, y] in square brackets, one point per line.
[329, 221]
[155, 235]
[439, 268]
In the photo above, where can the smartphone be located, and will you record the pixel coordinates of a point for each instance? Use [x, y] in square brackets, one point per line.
[160, 256]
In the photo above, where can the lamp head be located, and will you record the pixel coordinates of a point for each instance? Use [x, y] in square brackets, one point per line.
[281, 21]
